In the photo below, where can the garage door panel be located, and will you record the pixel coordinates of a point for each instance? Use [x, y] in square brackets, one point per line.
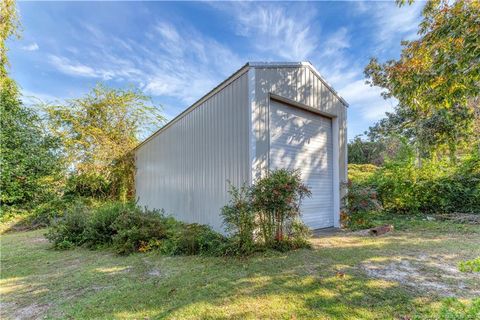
[303, 140]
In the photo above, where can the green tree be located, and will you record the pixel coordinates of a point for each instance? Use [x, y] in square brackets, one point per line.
[436, 80]
[99, 132]
[361, 151]
[29, 159]
[29, 156]
[9, 25]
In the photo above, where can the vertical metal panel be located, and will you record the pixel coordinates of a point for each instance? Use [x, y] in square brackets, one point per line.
[299, 84]
[300, 139]
[184, 169]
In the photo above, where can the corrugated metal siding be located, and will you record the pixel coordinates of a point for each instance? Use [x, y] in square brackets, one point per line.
[185, 168]
[302, 140]
[299, 84]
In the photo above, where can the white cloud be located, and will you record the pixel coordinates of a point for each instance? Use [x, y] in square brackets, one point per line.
[186, 64]
[336, 42]
[394, 24]
[177, 62]
[74, 68]
[290, 34]
[282, 31]
[180, 62]
[389, 23]
[31, 47]
[367, 100]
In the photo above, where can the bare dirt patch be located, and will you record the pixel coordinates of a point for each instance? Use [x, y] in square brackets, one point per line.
[432, 273]
[154, 273]
[31, 311]
[39, 240]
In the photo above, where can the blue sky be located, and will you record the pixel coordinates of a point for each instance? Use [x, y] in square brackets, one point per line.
[176, 52]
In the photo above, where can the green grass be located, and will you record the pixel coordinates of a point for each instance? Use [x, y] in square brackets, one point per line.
[329, 281]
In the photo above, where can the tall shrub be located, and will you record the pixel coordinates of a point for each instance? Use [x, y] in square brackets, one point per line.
[239, 218]
[360, 203]
[276, 199]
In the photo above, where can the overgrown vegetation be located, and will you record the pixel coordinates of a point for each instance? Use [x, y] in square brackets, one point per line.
[436, 82]
[436, 187]
[276, 200]
[98, 132]
[239, 219]
[427, 150]
[79, 150]
[361, 205]
[128, 228]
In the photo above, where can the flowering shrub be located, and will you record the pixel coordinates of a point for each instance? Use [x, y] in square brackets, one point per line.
[276, 200]
[267, 214]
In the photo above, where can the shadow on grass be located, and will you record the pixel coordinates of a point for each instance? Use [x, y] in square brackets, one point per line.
[321, 283]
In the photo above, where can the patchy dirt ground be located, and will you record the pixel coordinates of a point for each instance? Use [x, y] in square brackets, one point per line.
[432, 273]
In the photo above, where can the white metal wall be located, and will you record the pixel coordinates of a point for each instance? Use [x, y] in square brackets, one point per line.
[298, 83]
[184, 169]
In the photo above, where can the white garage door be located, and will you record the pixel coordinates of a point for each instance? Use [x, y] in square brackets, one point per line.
[303, 140]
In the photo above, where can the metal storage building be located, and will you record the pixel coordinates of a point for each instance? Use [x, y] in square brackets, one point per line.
[265, 116]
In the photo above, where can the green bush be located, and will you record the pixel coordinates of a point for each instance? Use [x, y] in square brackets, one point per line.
[267, 214]
[193, 239]
[100, 229]
[239, 219]
[30, 161]
[68, 231]
[127, 228]
[28, 217]
[87, 185]
[137, 230]
[406, 186]
[298, 234]
[361, 173]
[433, 187]
[276, 200]
[43, 214]
[361, 206]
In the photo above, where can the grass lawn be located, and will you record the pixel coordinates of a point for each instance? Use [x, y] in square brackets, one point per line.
[401, 275]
